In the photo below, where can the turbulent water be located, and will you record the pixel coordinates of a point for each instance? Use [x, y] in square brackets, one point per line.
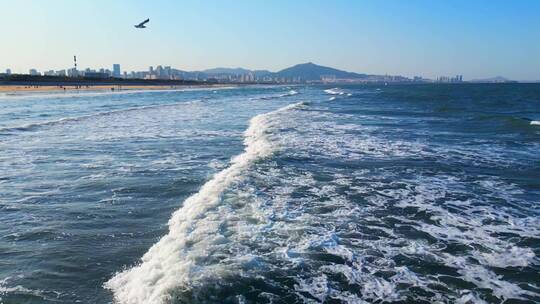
[356, 194]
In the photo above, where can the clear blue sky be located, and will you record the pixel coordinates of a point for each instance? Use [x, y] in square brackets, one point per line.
[476, 38]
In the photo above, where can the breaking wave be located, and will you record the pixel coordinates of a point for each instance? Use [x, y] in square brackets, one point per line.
[194, 229]
[269, 97]
[335, 91]
[351, 236]
[8, 292]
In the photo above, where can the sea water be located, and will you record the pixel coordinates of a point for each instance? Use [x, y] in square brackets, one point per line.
[272, 194]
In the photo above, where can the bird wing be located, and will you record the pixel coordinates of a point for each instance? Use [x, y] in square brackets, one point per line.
[144, 22]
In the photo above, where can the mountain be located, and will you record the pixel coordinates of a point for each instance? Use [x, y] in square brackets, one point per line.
[301, 72]
[305, 72]
[311, 71]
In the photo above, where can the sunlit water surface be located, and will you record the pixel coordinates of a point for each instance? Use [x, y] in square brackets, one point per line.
[356, 194]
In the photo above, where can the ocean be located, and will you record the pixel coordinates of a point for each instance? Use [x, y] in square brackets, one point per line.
[272, 194]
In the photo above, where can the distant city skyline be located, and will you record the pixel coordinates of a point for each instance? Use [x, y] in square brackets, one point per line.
[300, 73]
[477, 39]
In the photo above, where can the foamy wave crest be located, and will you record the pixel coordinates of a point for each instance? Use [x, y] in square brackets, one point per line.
[535, 122]
[6, 290]
[337, 92]
[289, 93]
[194, 229]
[334, 91]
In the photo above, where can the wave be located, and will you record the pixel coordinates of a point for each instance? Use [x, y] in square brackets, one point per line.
[34, 126]
[7, 291]
[289, 93]
[334, 91]
[170, 262]
[506, 122]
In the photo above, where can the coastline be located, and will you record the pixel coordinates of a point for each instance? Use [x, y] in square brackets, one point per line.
[19, 88]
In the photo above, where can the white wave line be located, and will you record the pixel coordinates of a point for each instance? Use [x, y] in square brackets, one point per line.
[170, 262]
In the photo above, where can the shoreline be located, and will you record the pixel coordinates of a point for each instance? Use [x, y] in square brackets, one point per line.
[20, 88]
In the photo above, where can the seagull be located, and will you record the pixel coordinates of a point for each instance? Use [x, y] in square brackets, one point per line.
[141, 25]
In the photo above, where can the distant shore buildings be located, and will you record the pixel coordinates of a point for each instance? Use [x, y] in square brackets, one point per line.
[303, 73]
[116, 71]
[223, 75]
[446, 79]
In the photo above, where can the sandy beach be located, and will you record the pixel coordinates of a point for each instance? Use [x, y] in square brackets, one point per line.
[71, 88]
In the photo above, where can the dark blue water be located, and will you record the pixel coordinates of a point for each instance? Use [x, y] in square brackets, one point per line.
[356, 194]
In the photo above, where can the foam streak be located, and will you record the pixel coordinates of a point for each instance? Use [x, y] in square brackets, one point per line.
[171, 262]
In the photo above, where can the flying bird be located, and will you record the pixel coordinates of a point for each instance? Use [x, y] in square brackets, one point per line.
[141, 25]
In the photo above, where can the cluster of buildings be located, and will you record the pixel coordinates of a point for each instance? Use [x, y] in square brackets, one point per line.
[74, 72]
[446, 79]
[160, 72]
[329, 79]
[228, 76]
[246, 76]
[168, 73]
[250, 77]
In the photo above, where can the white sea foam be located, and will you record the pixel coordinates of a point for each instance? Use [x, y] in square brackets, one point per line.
[535, 122]
[194, 228]
[5, 289]
[297, 218]
[442, 208]
[269, 97]
[334, 91]
[292, 93]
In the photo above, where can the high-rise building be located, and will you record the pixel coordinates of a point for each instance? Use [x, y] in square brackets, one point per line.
[73, 72]
[159, 71]
[33, 72]
[8, 71]
[116, 70]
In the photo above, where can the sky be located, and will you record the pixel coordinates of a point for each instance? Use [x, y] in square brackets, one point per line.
[431, 38]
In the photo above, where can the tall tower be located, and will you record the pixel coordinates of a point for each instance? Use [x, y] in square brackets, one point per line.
[74, 73]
